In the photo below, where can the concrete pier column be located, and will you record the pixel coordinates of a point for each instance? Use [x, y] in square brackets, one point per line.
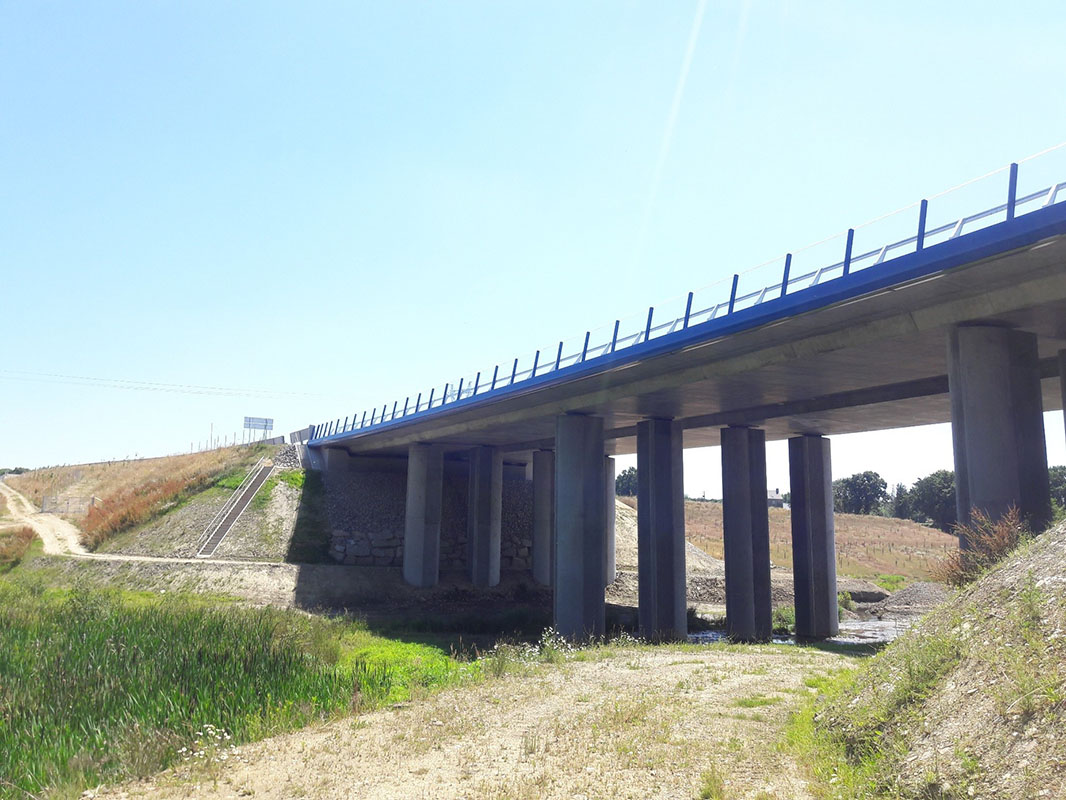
[746, 525]
[484, 515]
[1062, 380]
[610, 570]
[543, 515]
[997, 423]
[660, 530]
[813, 537]
[421, 539]
[580, 523]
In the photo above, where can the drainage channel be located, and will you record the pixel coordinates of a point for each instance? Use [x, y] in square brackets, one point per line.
[236, 509]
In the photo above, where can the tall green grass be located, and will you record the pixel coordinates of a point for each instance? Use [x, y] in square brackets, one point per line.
[98, 686]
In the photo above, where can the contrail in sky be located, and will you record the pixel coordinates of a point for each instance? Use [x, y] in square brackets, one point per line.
[671, 122]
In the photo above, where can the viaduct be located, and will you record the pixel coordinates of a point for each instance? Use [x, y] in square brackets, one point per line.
[963, 322]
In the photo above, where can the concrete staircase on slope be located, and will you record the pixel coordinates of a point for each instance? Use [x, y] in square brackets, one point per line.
[230, 512]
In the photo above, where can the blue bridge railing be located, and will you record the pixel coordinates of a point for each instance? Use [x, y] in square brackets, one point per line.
[789, 277]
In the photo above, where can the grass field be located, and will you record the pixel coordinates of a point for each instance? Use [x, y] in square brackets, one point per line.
[867, 546]
[110, 478]
[100, 685]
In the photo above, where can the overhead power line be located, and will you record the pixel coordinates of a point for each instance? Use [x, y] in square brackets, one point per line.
[146, 386]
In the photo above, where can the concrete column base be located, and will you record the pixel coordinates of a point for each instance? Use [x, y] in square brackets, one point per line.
[746, 525]
[580, 523]
[661, 531]
[421, 540]
[484, 515]
[813, 537]
[543, 515]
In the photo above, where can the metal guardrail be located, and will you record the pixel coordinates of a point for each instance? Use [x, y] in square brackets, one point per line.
[787, 284]
[212, 526]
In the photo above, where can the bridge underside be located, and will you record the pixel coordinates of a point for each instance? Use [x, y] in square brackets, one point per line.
[979, 345]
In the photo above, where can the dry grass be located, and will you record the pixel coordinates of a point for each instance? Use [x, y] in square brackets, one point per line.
[109, 477]
[14, 542]
[988, 542]
[128, 493]
[867, 546]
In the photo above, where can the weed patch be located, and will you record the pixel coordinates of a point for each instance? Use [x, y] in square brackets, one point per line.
[14, 542]
[96, 686]
[985, 542]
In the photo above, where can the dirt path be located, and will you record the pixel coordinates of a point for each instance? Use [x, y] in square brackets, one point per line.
[644, 723]
[58, 535]
[62, 538]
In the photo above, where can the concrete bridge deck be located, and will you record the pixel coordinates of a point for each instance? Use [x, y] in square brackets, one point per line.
[970, 330]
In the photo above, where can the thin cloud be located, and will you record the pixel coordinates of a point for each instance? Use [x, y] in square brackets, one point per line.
[671, 124]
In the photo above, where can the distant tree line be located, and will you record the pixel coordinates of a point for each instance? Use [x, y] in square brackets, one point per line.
[12, 470]
[625, 484]
[930, 500]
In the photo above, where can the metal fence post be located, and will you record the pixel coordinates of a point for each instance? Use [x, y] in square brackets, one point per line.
[647, 328]
[614, 336]
[1012, 191]
[923, 212]
[733, 293]
[847, 251]
[688, 311]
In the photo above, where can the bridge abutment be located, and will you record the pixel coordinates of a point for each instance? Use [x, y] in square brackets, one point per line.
[580, 526]
[813, 537]
[660, 530]
[997, 424]
[543, 515]
[746, 526]
[485, 515]
[421, 541]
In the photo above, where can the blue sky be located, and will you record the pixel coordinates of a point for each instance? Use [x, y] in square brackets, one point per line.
[330, 205]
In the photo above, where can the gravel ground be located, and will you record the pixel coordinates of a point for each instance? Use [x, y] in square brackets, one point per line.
[634, 724]
[263, 534]
[176, 534]
[911, 601]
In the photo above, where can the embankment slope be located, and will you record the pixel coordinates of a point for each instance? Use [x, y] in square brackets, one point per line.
[972, 701]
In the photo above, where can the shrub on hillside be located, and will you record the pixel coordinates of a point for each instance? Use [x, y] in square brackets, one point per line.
[984, 542]
[13, 545]
[138, 504]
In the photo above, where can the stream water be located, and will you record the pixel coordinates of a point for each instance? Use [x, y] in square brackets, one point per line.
[852, 631]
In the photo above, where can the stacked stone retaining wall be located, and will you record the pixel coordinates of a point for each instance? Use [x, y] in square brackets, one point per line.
[366, 512]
